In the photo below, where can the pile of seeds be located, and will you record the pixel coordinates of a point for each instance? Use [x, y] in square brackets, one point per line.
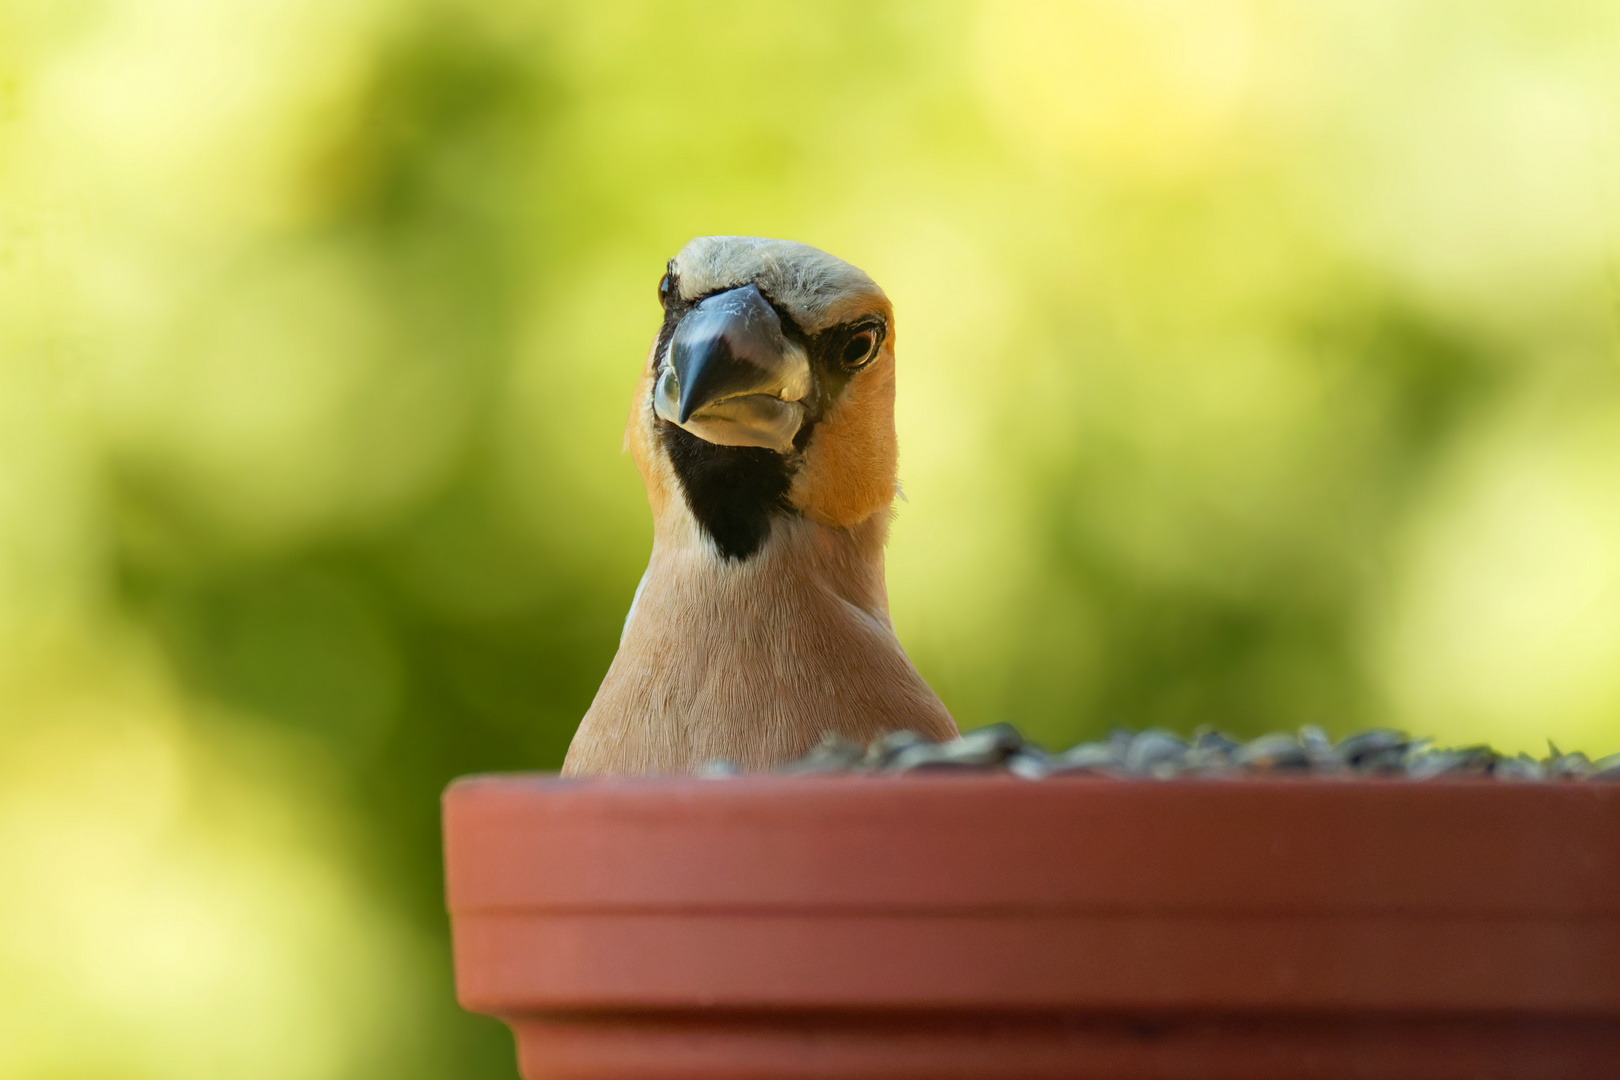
[1164, 755]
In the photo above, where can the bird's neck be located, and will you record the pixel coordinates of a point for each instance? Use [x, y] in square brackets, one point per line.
[752, 660]
[800, 563]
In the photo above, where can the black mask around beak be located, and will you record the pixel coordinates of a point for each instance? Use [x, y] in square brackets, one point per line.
[731, 376]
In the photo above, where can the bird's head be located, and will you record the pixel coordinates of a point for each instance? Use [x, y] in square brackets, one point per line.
[769, 392]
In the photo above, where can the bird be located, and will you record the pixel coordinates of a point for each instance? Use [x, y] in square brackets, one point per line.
[763, 428]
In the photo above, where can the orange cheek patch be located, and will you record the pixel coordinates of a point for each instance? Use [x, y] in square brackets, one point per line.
[638, 439]
[849, 466]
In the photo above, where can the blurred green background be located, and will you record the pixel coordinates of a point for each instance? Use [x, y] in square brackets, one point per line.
[1258, 368]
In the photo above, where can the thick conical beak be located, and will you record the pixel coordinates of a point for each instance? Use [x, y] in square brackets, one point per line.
[731, 376]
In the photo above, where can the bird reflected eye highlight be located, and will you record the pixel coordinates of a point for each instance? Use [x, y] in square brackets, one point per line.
[860, 349]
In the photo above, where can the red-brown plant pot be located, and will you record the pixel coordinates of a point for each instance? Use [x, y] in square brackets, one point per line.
[985, 926]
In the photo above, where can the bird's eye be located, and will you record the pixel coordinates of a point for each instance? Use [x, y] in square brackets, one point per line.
[860, 348]
[666, 289]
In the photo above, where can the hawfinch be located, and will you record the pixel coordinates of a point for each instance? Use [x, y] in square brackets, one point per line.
[763, 427]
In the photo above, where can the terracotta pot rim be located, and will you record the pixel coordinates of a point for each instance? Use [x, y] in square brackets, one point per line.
[799, 900]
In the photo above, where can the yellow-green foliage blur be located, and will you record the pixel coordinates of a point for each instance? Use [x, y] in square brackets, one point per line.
[1258, 367]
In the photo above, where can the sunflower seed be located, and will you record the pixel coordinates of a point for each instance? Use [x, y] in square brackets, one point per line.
[1374, 750]
[1089, 757]
[978, 748]
[833, 754]
[1275, 751]
[1562, 766]
[1030, 762]
[1523, 767]
[1426, 763]
[884, 750]
[1153, 751]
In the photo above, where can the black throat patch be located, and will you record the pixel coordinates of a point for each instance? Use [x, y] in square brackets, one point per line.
[733, 491]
